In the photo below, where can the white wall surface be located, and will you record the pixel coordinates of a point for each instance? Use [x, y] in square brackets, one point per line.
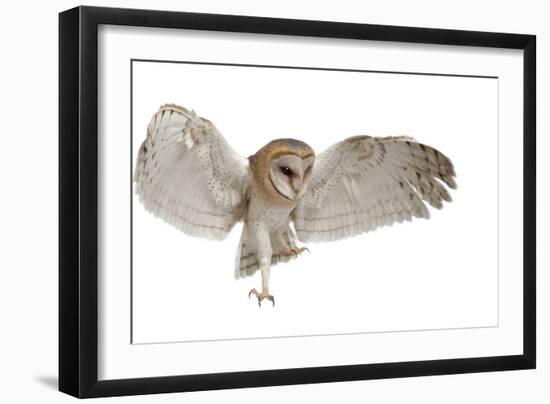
[28, 209]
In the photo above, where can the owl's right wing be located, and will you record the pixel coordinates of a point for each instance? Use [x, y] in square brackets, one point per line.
[188, 175]
[363, 182]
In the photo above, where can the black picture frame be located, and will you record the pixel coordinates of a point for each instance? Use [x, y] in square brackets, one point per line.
[78, 201]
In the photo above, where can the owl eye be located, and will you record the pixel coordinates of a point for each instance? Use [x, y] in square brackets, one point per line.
[286, 171]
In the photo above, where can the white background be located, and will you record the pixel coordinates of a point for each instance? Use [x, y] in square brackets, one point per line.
[29, 287]
[434, 274]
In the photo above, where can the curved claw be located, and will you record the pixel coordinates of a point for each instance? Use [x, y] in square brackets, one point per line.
[261, 296]
[298, 251]
[295, 251]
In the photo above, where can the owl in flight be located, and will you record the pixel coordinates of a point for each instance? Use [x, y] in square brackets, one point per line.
[188, 175]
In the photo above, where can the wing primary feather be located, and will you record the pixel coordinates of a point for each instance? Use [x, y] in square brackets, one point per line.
[364, 183]
[188, 175]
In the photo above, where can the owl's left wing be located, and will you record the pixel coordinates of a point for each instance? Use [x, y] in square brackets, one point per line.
[188, 175]
[363, 182]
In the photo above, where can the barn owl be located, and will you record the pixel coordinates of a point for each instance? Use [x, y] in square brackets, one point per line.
[188, 175]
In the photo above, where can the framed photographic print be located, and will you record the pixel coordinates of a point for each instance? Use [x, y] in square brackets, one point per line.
[251, 201]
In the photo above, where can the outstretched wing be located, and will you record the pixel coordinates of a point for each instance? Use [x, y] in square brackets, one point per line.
[364, 182]
[188, 175]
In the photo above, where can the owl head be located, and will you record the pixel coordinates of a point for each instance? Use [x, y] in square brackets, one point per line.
[283, 168]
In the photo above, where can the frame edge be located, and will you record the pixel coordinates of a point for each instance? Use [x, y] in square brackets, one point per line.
[69, 79]
[529, 201]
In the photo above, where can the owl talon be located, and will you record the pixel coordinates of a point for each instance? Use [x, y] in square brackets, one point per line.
[261, 296]
[295, 251]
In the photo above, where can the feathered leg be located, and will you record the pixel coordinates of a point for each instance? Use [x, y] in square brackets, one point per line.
[265, 267]
[289, 249]
[264, 252]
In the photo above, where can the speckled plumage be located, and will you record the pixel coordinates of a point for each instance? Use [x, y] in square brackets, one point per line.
[188, 175]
